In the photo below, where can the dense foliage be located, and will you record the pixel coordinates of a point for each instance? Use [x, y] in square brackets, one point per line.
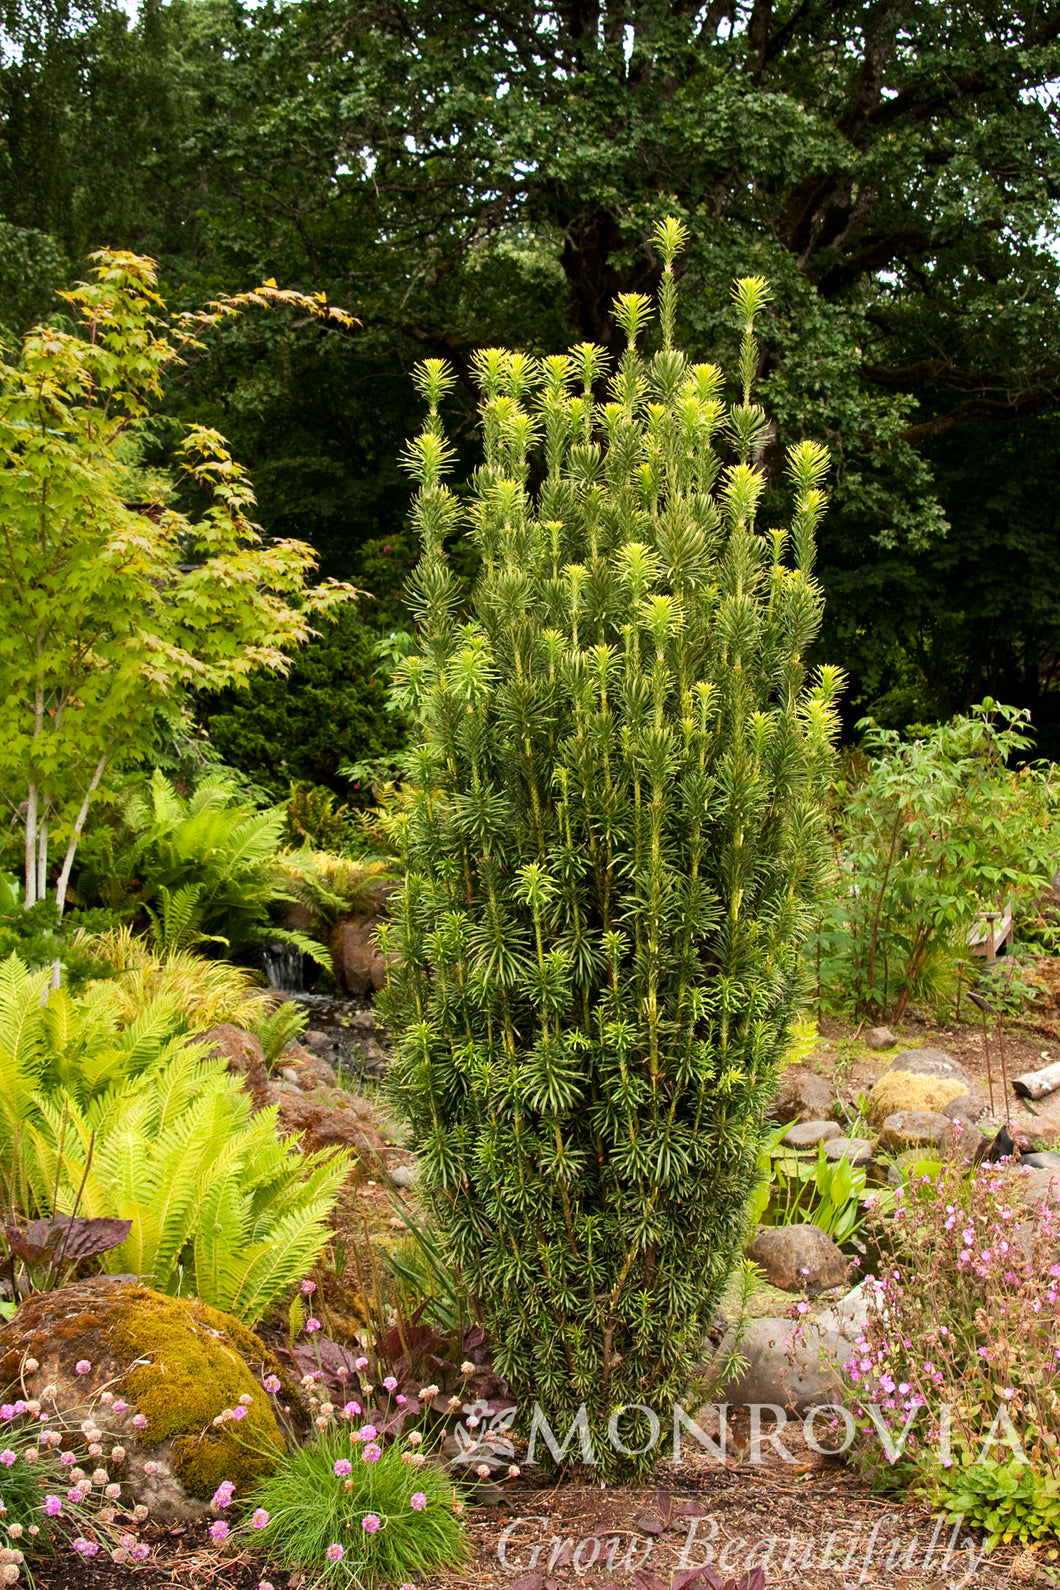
[459, 176]
[613, 833]
[103, 1115]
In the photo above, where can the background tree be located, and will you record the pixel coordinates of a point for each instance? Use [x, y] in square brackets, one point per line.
[464, 175]
[116, 604]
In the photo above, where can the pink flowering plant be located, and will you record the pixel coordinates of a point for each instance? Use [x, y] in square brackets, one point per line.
[350, 1511]
[955, 1378]
[58, 1487]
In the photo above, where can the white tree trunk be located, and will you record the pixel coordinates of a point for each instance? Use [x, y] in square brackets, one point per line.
[71, 849]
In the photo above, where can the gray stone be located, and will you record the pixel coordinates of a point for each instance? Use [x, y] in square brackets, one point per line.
[918, 1129]
[807, 1134]
[403, 1176]
[1048, 1159]
[317, 1040]
[1037, 1186]
[803, 1096]
[795, 1364]
[965, 1139]
[857, 1149]
[799, 1258]
[931, 1063]
[289, 1074]
[880, 1038]
[965, 1105]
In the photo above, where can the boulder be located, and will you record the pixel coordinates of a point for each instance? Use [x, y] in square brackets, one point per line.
[174, 1362]
[807, 1134]
[803, 1096]
[857, 1149]
[909, 1090]
[242, 1050]
[881, 1038]
[403, 1176]
[795, 1365]
[1037, 1186]
[799, 1258]
[965, 1105]
[965, 1140]
[1048, 1160]
[918, 1129]
[931, 1063]
[359, 964]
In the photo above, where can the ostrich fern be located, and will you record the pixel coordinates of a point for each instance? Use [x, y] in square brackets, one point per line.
[612, 837]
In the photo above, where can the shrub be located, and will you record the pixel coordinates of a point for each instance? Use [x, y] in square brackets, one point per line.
[331, 708]
[348, 1512]
[962, 1341]
[612, 834]
[934, 833]
[136, 1123]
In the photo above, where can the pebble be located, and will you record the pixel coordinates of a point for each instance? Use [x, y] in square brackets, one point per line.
[403, 1175]
[880, 1038]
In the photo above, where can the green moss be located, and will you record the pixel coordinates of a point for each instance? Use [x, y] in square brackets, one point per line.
[198, 1364]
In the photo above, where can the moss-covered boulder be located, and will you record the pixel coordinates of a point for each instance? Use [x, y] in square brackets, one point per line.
[907, 1090]
[173, 1362]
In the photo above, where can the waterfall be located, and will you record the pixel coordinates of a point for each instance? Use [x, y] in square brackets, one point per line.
[283, 967]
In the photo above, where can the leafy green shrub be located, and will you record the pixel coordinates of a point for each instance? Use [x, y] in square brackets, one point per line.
[962, 1342]
[933, 834]
[612, 834]
[349, 1512]
[819, 1192]
[37, 938]
[135, 1122]
[332, 707]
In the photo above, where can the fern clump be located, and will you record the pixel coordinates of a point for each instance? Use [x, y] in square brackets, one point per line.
[141, 1123]
[612, 837]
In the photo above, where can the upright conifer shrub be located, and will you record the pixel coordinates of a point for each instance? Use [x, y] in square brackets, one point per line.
[612, 838]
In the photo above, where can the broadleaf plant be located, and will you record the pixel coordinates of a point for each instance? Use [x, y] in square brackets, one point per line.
[612, 836]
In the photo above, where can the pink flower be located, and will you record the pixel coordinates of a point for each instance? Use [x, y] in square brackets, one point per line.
[259, 1518]
[371, 1453]
[85, 1548]
[75, 1496]
[7, 1457]
[343, 1466]
[400, 1400]
[308, 1288]
[360, 1363]
[271, 1384]
[53, 1506]
[417, 1501]
[335, 1553]
[370, 1523]
[218, 1531]
[239, 1412]
[222, 1496]
[137, 1421]
[390, 1383]
[367, 1432]
[351, 1408]
[140, 1552]
[312, 1325]
[120, 1407]
[801, 1308]
[82, 1367]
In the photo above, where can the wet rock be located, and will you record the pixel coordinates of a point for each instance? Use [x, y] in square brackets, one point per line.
[359, 964]
[807, 1134]
[880, 1038]
[803, 1096]
[799, 1258]
[919, 1129]
[242, 1050]
[857, 1149]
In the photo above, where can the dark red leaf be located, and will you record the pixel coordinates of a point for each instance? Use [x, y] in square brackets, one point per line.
[691, 1510]
[564, 1555]
[28, 1252]
[686, 1577]
[79, 1237]
[533, 1581]
[648, 1525]
[647, 1581]
[665, 1505]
